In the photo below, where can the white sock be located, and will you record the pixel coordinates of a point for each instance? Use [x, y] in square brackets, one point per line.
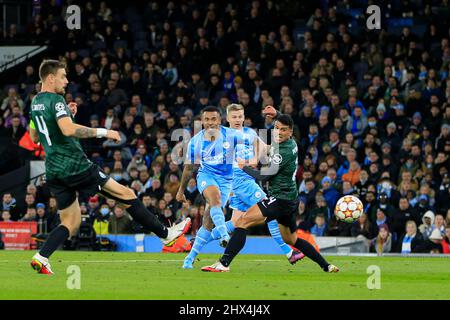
[290, 253]
[41, 258]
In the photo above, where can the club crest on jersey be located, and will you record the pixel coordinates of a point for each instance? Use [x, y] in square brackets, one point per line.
[258, 194]
[277, 158]
[203, 183]
[226, 145]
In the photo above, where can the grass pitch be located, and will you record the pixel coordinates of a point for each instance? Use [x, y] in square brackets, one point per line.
[107, 275]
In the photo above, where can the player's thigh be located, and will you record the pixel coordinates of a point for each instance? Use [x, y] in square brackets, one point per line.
[118, 190]
[64, 194]
[253, 217]
[237, 214]
[71, 216]
[288, 236]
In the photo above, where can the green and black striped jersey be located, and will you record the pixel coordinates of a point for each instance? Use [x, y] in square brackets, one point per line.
[283, 185]
[64, 155]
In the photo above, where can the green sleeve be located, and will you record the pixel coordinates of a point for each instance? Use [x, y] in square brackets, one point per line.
[60, 108]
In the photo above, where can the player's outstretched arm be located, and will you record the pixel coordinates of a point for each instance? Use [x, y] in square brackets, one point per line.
[261, 150]
[258, 175]
[70, 129]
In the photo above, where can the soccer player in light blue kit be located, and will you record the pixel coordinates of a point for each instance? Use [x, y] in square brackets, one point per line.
[246, 192]
[213, 149]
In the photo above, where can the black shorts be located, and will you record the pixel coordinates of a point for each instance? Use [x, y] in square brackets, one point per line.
[88, 182]
[284, 211]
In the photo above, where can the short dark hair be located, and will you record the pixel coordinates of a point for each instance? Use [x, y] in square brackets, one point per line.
[210, 109]
[50, 67]
[286, 120]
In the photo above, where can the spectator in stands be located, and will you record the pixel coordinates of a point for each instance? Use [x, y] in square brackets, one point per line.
[192, 193]
[412, 241]
[381, 218]
[16, 130]
[196, 218]
[30, 215]
[119, 222]
[447, 218]
[446, 240]
[41, 218]
[156, 189]
[183, 212]
[383, 242]
[404, 213]
[101, 220]
[6, 216]
[362, 227]
[10, 204]
[93, 207]
[30, 201]
[439, 224]
[353, 173]
[330, 194]
[427, 224]
[309, 194]
[319, 227]
[385, 206]
[434, 242]
[13, 98]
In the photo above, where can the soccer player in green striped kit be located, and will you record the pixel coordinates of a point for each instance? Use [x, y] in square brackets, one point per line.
[68, 170]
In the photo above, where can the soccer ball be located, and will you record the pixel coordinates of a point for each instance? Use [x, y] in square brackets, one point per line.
[348, 209]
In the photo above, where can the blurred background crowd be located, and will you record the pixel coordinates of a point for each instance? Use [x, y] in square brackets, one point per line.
[371, 107]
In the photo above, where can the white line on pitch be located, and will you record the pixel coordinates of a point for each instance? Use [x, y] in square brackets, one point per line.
[127, 261]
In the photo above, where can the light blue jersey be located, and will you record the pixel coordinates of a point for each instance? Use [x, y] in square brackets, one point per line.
[216, 160]
[246, 192]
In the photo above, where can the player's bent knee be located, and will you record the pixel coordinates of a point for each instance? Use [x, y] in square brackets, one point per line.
[242, 222]
[128, 194]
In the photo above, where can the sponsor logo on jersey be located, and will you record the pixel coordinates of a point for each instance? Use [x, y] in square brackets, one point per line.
[277, 158]
[102, 174]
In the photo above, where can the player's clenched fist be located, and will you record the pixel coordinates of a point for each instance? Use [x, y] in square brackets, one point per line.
[113, 135]
[269, 111]
[73, 107]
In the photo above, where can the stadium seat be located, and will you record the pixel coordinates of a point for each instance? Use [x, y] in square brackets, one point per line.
[72, 88]
[140, 35]
[84, 53]
[98, 45]
[140, 46]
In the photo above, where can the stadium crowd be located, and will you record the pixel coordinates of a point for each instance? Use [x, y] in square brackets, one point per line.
[371, 108]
